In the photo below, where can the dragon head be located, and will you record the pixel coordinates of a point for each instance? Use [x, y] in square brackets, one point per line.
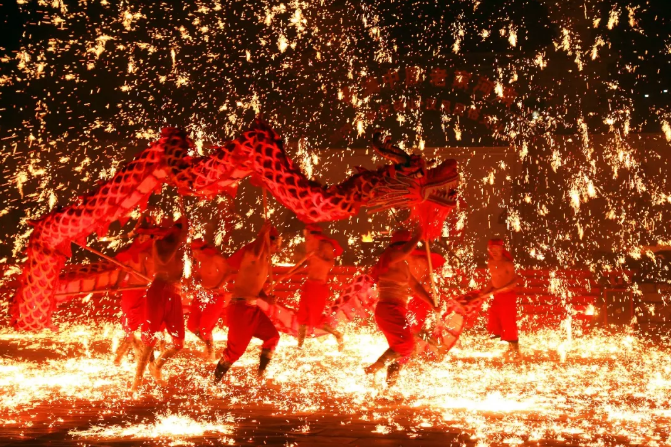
[430, 193]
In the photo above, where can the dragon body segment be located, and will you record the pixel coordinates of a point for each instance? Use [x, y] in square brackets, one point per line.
[259, 153]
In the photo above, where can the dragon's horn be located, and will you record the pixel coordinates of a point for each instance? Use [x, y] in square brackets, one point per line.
[387, 150]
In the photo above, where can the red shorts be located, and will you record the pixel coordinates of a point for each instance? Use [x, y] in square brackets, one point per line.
[164, 306]
[314, 296]
[206, 310]
[418, 311]
[133, 310]
[502, 318]
[244, 322]
[391, 319]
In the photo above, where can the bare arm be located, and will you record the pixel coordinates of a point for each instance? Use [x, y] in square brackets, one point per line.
[295, 268]
[490, 289]
[421, 292]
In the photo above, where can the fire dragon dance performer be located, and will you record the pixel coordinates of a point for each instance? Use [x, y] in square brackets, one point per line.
[320, 255]
[502, 318]
[133, 302]
[245, 319]
[394, 281]
[164, 302]
[139, 258]
[212, 271]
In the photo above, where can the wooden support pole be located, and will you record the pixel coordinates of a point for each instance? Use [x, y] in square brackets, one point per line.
[433, 283]
[114, 261]
[120, 289]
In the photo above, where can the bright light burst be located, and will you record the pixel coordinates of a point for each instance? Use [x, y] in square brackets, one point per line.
[607, 386]
[169, 426]
[87, 79]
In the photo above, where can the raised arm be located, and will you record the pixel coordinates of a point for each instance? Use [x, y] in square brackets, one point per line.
[296, 267]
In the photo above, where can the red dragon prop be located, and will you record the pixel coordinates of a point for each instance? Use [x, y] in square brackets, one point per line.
[259, 152]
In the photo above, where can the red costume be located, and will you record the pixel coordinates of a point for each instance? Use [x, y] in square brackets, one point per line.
[208, 305]
[247, 320]
[392, 320]
[133, 301]
[417, 307]
[418, 312]
[391, 317]
[244, 322]
[315, 294]
[164, 307]
[502, 316]
[206, 310]
[133, 304]
[164, 302]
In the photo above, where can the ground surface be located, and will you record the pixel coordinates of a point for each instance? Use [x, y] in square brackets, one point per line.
[570, 389]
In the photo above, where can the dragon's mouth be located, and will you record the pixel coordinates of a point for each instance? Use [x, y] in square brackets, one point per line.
[444, 194]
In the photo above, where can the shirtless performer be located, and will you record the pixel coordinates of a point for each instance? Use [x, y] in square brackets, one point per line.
[213, 272]
[320, 254]
[502, 319]
[394, 282]
[245, 318]
[164, 303]
[133, 302]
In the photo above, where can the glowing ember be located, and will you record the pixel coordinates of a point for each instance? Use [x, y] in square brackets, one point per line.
[560, 116]
[608, 384]
[168, 426]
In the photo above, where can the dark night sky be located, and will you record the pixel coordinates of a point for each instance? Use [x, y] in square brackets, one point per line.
[104, 79]
[420, 32]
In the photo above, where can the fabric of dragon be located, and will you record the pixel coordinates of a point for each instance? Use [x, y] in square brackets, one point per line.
[259, 152]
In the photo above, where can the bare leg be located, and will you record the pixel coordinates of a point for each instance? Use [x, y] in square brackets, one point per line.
[155, 368]
[138, 346]
[209, 349]
[513, 350]
[266, 356]
[392, 373]
[302, 330]
[387, 356]
[142, 361]
[337, 334]
[208, 352]
[123, 349]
